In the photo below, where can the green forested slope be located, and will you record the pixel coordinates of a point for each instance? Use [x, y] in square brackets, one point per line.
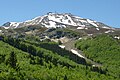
[27, 61]
[105, 50]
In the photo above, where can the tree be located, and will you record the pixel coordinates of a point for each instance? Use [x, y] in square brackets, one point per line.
[59, 42]
[65, 77]
[12, 60]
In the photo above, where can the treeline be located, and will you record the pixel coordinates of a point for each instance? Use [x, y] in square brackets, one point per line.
[103, 49]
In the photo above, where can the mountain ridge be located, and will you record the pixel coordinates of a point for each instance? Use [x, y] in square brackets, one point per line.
[58, 25]
[55, 20]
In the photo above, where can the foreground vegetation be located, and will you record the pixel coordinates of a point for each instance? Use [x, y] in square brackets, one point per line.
[25, 59]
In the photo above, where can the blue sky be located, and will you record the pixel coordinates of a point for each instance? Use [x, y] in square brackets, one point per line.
[106, 11]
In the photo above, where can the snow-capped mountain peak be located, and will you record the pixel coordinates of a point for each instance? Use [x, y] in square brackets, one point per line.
[57, 20]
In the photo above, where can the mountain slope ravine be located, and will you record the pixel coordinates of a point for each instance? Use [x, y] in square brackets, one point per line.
[70, 46]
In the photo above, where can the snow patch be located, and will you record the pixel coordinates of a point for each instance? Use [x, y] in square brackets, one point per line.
[89, 34]
[109, 31]
[62, 46]
[97, 29]
[116, 37]
[92, 22]
[6, 27]
[80, 38]
[28, 20]
[82, 27]
[76, 52]
[83, 21]
[77, 17]
[86, 28]
[105, 27]
[93, 65]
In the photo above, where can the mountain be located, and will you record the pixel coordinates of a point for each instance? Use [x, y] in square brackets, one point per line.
[58, 20]
[59, 47]
[56, 25]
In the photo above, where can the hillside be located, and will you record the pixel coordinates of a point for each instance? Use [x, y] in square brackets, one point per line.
[34, 62]
[103, 49]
